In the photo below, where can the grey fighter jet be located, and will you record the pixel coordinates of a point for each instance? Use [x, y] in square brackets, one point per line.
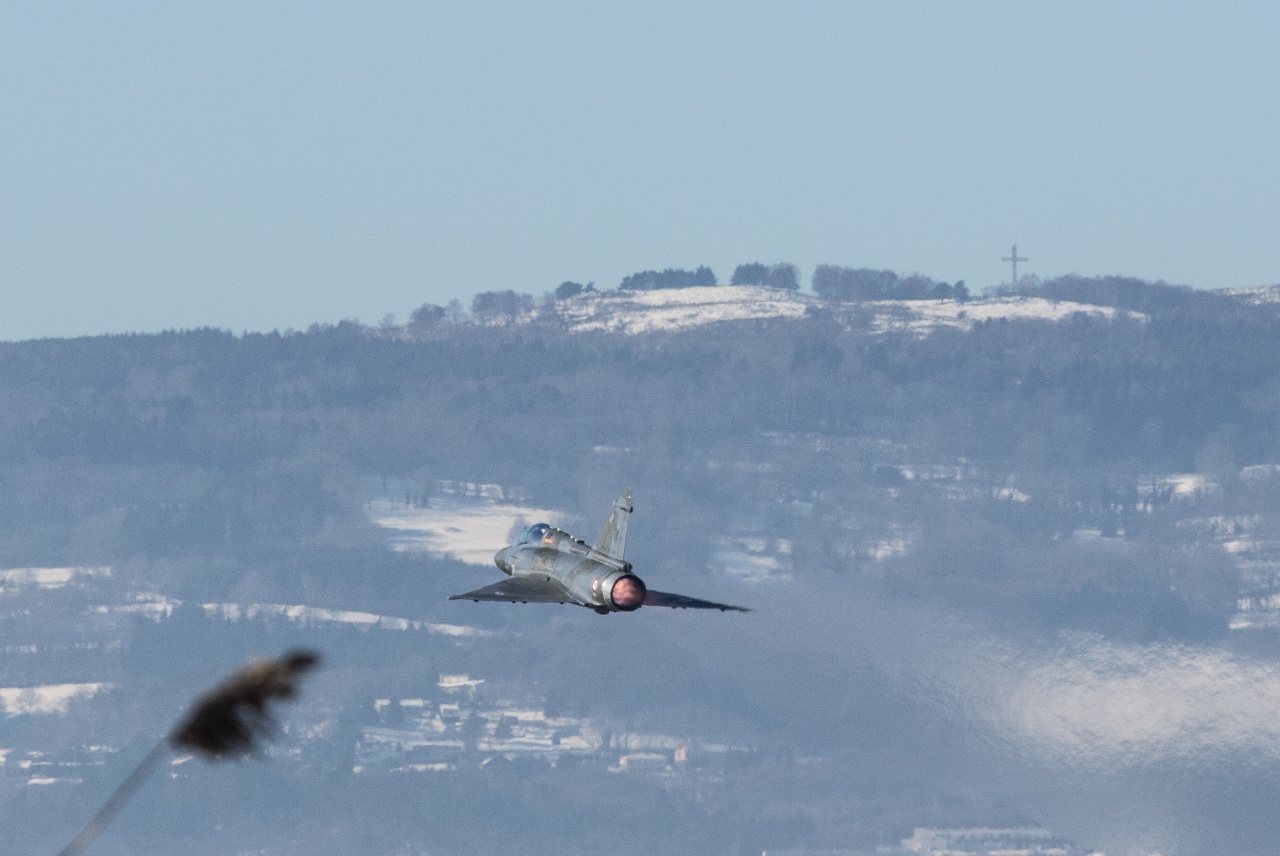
[546, 565]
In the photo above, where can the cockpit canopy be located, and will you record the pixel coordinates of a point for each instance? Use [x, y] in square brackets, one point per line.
[534, 533]
[549, 536]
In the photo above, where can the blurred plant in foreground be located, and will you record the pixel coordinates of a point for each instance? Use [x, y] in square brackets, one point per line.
[230, 721]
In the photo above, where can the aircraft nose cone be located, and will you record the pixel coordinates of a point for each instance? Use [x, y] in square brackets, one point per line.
[502, 559]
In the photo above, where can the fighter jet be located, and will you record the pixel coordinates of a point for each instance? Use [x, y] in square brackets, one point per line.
[546, 565]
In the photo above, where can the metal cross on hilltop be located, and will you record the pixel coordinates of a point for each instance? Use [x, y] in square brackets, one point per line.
[1013, 257]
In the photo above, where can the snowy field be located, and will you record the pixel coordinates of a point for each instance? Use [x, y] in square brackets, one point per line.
[470, 530]
[684, 308]
[159, 608]
[46, 578]
[315, 616]
[48, 698]
[1258, 295]
[924, 316]
[679, 308]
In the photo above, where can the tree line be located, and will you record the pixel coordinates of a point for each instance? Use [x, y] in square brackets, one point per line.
[830, 282]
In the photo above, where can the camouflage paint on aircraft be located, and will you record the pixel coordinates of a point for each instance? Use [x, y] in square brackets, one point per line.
[546, 565]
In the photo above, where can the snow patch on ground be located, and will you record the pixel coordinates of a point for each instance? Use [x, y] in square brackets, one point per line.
[49, 698]
[671, 309]
[922, 317]
[316, 615]
[635, 312]
[889, 548]
[158, 608]
[469, 532]
[1183, 487]
[1258, 295]
[1189, 484]
[46, 578]
[1256, 613]
[154, 606]
[753, 559]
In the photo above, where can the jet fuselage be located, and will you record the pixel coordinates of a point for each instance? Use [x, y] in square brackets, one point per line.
[546, 565]
[602, 582]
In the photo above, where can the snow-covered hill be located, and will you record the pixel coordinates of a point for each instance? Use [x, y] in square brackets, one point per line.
[924, 316]
[1258, 295]
[678, 308]
[633, 312]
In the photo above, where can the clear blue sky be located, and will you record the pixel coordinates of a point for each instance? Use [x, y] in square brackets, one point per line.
[260, 165]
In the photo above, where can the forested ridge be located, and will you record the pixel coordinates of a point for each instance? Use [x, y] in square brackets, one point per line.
[1152, 392]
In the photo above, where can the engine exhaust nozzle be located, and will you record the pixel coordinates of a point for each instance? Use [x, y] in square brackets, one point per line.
[628, 593]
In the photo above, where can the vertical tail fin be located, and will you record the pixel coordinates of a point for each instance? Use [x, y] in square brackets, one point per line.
[613, 538]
